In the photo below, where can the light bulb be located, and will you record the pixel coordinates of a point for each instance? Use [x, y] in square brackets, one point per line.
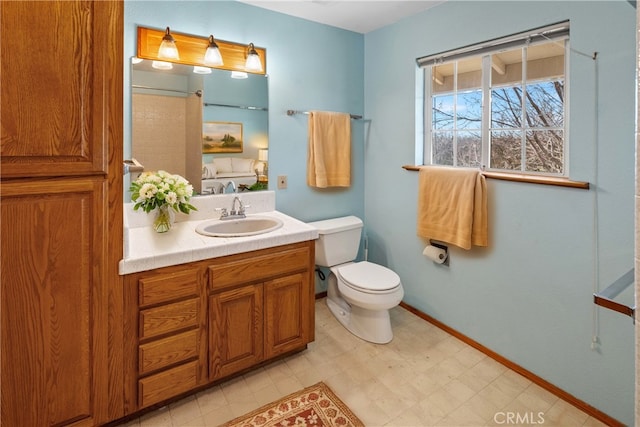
[168, 49]
[253, 60]
[212, 56]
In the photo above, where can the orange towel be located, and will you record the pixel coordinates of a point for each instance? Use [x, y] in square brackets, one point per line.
[329, 154]
[452, 206]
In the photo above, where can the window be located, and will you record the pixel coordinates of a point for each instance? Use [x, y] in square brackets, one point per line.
[499, 105]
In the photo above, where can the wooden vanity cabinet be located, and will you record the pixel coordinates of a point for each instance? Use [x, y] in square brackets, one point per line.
[193, 324]
[165, 323]
[261, 305]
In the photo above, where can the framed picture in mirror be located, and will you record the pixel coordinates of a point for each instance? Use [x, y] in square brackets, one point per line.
[222, 137]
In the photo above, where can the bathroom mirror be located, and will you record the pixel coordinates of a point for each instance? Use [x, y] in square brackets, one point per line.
[183, 120]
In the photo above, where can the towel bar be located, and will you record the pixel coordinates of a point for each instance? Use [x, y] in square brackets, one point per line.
[243, 107]
[294, 112]
[198, 92]
[132, 166]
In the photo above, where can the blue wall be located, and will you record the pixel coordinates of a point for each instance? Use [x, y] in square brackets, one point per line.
[529, 295]
[310, 66]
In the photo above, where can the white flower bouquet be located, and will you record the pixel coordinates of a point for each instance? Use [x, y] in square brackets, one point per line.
[155, 189]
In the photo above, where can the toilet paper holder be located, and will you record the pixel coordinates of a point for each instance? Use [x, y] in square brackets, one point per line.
[444, 248]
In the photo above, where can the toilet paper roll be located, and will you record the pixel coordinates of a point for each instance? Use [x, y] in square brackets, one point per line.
[435, 254]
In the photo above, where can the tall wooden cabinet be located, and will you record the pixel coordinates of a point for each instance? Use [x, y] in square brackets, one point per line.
[61, 212]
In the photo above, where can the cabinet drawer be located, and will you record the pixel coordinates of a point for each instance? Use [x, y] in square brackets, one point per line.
[168, 318]
[167, 351]
[167, 384]
[168, 287]
[260, 267]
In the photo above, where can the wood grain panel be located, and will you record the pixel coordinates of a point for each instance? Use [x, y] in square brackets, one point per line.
[286, 318]
[169, 286]
[108, 25]
[236, 330]
[167, 384]
[61, 101]
[169, 318]
[53, 305]
[165, 324]
[130, 341]
[53, 107]
[236, 270]
[168, 351]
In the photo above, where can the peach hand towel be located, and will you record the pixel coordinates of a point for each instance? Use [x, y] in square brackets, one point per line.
[452, 206]
[329, 153]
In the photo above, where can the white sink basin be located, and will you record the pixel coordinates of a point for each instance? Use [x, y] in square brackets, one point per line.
[249, 226]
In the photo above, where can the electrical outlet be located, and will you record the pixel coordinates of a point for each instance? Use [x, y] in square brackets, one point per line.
[282, 182]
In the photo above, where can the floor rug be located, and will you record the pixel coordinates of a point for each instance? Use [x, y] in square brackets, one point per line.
[315, 406]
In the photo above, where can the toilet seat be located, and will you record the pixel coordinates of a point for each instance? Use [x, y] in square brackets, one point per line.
[369, 277]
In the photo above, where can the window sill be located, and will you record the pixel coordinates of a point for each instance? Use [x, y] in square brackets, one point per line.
[531, 179]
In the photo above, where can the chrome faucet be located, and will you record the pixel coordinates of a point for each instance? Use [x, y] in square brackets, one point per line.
[234, 213]
[240, 210]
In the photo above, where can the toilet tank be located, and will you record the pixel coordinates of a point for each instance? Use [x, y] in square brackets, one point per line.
[338, 240]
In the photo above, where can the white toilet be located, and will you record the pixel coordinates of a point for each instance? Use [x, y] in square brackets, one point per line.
[359, 294]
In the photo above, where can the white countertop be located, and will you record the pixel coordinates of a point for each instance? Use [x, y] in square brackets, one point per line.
[145, 249]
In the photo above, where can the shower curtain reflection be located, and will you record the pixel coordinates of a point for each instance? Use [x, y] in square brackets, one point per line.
[167, 134]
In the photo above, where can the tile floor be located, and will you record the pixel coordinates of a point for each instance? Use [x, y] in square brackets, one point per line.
[424, 377]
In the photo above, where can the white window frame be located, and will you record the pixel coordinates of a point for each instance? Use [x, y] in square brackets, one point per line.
[553, 33]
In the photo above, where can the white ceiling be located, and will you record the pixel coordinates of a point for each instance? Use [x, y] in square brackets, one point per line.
[360, 16]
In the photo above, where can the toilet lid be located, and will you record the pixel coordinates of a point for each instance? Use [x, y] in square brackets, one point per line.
[369, 277]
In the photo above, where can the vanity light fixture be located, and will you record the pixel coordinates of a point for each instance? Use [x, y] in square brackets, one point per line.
[253, 60]
[212, 56]
[239, 75]
[201, 70]
[168, 49]
[197, 50]
[162, 65]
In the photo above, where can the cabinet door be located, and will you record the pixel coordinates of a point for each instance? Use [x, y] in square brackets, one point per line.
[54, 303]
[61, 102]
[56, 86]
[235, 330]
[287, 314]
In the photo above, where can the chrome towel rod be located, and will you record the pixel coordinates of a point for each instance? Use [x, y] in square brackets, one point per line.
[293, 112]
[243, 107]
[198, 92]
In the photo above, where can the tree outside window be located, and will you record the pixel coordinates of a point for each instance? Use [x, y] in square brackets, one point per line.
[524, 128]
